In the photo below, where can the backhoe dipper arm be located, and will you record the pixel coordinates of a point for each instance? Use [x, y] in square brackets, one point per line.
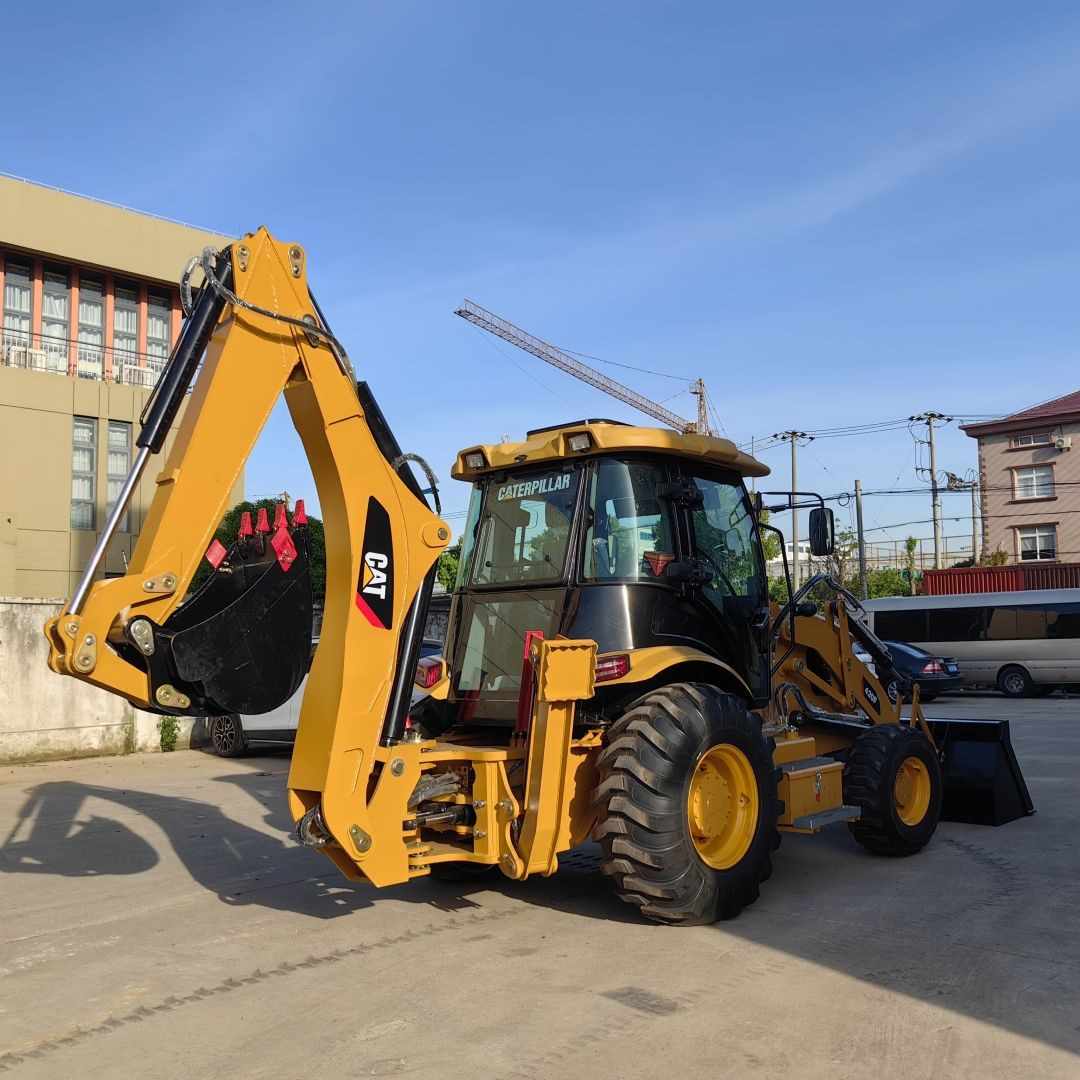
[263, 335]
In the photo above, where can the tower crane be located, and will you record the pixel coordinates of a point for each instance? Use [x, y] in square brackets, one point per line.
[500, 327]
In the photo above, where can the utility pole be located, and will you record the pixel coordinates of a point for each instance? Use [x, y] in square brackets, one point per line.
[794, 436]
[957, 483]
[974, 526]
[928, 418]
[864, 590]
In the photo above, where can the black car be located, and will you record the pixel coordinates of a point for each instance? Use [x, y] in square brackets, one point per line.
[934, 674]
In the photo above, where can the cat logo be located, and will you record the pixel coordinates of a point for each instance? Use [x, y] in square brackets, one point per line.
[375, 586]
[374, 576]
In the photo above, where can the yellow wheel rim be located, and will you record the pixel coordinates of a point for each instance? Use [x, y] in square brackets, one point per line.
[911, 791]
[722, 806]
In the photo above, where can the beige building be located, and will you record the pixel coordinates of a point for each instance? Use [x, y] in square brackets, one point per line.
[1029, 473]
[91, 310]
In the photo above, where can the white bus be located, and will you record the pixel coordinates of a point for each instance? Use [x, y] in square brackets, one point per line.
[1025, 643]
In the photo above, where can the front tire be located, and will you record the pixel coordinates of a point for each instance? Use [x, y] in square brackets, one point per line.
[1015, 682]
[893, 776]
[227, 736]
[687, 800]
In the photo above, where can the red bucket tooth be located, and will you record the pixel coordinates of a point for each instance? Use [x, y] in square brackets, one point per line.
[245, 525]
[299, 514]
[262, 524]
[279, 517]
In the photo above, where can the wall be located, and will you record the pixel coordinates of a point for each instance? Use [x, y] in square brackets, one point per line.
[1002, 513]
[43, 715]
[83, 230]
[40, 555]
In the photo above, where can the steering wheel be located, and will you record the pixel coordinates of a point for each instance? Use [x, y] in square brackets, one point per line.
[711, 560]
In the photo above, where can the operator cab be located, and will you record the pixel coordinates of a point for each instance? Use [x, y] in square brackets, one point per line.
[633, 537]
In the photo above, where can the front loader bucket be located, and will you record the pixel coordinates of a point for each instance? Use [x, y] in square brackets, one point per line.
[982, 778]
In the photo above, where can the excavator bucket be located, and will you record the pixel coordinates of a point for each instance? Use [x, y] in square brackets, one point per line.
[982, 778]
[242, 642]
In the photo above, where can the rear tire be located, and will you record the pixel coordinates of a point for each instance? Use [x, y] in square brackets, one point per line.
[893, 776]
[929, 696]
[1015, 682]
[687, 800]
[227, 736]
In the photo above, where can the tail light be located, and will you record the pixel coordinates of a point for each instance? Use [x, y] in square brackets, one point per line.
[612, 667]
[428, 672]
[932, 667]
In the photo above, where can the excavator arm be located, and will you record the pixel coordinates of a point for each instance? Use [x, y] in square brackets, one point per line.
[254, 333]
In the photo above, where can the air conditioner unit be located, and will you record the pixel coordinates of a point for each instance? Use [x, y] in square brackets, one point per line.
[1063, 442]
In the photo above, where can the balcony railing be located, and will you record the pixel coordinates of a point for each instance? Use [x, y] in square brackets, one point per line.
[77, 359]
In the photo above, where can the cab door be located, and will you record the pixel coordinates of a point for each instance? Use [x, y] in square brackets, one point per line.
[722, 541]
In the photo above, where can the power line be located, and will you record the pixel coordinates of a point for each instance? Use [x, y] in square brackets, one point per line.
[505, 354]
[628, 367]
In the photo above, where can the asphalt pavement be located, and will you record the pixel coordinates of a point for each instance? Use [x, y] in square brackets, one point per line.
[159, 920]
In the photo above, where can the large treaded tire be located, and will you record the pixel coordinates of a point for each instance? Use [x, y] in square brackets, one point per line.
[645, 774]
[869, 783]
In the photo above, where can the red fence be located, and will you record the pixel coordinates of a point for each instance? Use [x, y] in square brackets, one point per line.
[982, 579]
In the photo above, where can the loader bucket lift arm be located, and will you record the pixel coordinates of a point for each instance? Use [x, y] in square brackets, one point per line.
[263, 335]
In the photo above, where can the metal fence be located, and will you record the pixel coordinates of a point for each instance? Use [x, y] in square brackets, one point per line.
[78, 359]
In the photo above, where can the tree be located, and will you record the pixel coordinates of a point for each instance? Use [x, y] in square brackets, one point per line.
[449, 561]
[839, 565]
[778, 590]
[770, 542]
[230, 526]
[886, 582]
[910, 545]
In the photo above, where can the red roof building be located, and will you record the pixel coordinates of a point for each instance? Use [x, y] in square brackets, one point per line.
[1029, 475]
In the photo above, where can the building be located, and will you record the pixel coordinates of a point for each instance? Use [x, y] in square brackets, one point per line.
[1029, 473]
[91, 310]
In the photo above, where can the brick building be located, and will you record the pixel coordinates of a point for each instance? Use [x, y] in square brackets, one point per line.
[1029, 473]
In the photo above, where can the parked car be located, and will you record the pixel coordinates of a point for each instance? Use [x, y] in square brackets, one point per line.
[934, 674]
[231, 735]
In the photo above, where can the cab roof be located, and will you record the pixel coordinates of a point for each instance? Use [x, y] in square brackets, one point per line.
[606, 438]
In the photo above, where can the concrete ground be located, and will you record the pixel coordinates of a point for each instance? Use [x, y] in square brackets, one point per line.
[159, 920]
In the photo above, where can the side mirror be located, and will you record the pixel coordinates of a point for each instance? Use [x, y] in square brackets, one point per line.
[756, 503]
[822, 531]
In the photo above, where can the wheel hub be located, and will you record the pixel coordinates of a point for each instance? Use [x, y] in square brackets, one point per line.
[722, 806]
[911, 791]
[226, 734]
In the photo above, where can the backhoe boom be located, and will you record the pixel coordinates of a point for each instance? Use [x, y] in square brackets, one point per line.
[263, 336]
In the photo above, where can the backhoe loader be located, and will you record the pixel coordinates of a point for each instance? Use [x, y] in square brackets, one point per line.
[613, 669]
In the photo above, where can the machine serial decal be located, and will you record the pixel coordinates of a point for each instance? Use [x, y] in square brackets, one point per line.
[870, 696]
[524, 489]
[375, 587]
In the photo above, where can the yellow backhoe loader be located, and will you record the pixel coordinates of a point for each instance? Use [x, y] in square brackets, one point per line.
[613, 668]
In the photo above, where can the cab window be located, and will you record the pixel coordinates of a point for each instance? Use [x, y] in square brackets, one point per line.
[725, 542]
[524, 531]
[629, 535]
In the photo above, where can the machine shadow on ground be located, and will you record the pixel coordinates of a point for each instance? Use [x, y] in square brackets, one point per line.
[962, 925]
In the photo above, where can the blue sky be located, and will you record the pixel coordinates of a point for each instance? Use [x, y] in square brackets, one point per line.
[835, 213]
